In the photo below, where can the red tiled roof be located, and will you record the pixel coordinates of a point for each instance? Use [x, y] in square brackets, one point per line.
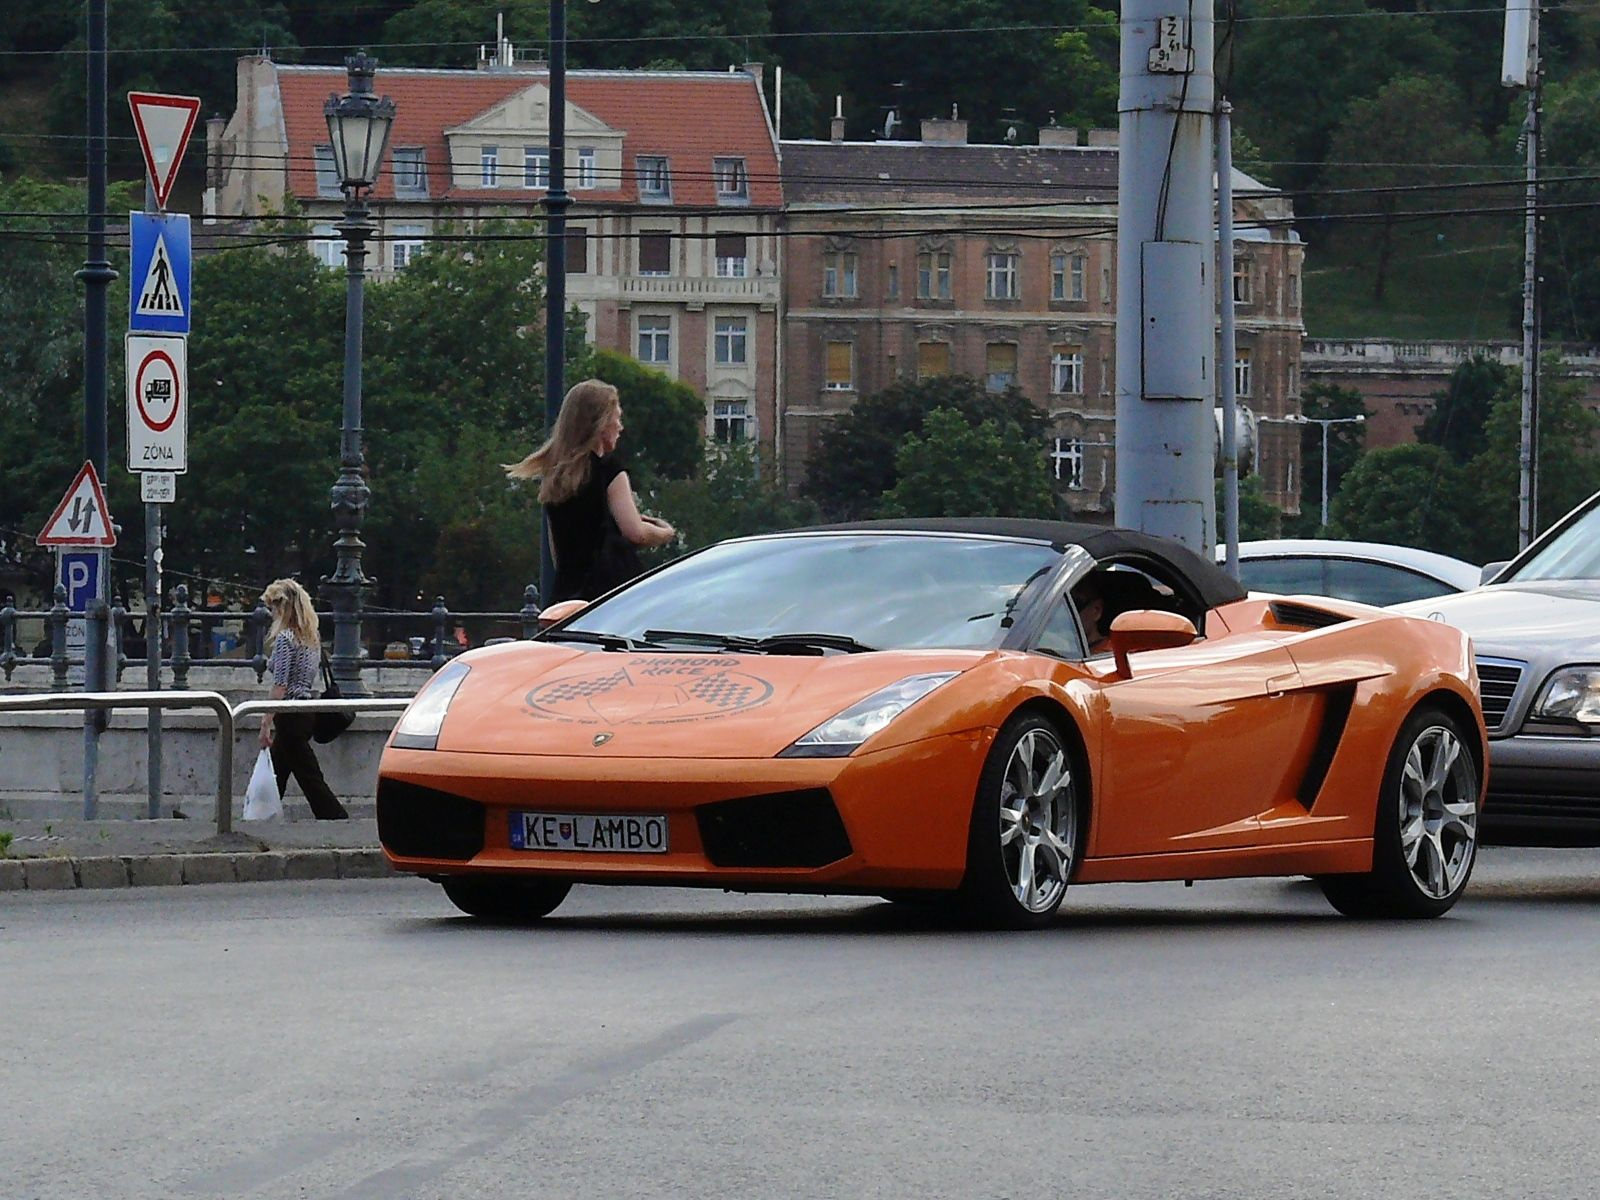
[688, 117]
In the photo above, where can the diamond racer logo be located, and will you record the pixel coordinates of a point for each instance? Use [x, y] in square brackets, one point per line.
[655, 690]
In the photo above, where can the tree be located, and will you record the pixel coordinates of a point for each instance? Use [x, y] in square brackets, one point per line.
[442, 33]
[956, 469]
[665, 420]
[1411, 495]
[1322, 401]
[733, 495]
[854, 462]
[1258, 516]
[1460, 417]
[1570, 245]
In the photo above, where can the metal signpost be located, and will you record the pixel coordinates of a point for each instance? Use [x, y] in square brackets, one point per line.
[159, 313]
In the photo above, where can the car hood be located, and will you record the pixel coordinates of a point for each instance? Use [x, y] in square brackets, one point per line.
[1514, 616]
[538, 698]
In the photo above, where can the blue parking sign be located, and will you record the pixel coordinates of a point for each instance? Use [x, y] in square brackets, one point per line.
[160, 271]
[79, 573]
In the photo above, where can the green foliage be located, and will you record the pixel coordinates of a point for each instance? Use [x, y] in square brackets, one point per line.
[854, 463]
[1408, 496]
[1460, 417]
[956, 469]
[734, 495]
[440, 33]
[1321, 401]
[1258, 517]
[6, 837]
[1570, 257]
[664, 420]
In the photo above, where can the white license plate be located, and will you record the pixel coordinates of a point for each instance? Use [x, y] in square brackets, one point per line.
[590, 833]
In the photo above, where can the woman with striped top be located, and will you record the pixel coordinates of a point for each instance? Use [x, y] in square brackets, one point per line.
[294, 661]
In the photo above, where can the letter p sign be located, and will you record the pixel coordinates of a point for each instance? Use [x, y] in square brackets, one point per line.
[80, 575]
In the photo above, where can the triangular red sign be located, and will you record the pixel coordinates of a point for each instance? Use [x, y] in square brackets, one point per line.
[81, 519]
[163, 124]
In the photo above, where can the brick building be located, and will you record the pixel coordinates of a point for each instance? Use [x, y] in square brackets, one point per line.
[917, 258]
[674, 177]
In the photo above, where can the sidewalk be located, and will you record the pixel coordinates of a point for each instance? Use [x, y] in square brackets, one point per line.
[74, 853]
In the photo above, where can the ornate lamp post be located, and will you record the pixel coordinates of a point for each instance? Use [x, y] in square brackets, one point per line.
[358, 127]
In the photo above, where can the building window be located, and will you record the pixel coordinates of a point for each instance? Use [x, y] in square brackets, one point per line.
[1105, 375]
[407, 244]
[655, 253]
[891, 287]
[1105, 285]
[326, 246]
[1294, 380]
[655, 340]
[587, 171]
[1000, 366]
[933, 275]
[1294, 289]
[410, 172]
[933, 358]
[839, 273]
[733, 184]
[535, 167]
[577, 250]
[1067, 273]
[1002, 276]
[730, 421]
[730, 336]
[1067, 458]
[1241, 373]
[327, 172]
[841, 367]
[655, 178]
[732, 262]
[1241, 281]
[1066, 370]
[489, 166]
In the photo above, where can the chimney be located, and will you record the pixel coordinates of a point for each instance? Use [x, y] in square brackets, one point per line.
[1056, 135]
[836, 126]
[758, 70]
[208, 200]
[1102, 137]
[952, 132]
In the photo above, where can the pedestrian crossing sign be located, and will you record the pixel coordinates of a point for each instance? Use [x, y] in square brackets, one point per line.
[158, 285]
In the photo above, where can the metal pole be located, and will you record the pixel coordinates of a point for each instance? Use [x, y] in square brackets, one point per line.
[346, 587]
[556, 202]
[1166, 335]
[152, 618]
[1230, 400]
[1326, 425]
[1528, 453]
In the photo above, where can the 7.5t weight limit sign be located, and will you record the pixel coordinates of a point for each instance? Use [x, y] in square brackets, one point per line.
[158, 404]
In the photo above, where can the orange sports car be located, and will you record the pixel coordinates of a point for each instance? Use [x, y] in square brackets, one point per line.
[968, 713]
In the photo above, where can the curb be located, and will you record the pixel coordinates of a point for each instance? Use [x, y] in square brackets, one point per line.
[176, 870]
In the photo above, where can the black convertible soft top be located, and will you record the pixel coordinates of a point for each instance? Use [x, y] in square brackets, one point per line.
[1214, 584]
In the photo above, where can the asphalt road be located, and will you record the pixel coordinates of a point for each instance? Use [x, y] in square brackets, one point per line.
[355, 1039]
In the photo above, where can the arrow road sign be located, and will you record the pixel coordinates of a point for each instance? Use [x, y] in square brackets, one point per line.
[81, 518]
[164, 124]
[158, 403]
[158, 300]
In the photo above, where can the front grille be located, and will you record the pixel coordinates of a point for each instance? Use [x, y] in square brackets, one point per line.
[1497, 684]
[422, 822]
[781, 829]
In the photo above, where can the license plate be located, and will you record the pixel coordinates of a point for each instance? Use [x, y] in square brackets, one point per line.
[590, 833]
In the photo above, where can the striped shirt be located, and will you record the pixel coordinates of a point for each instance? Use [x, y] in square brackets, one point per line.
[294, 666]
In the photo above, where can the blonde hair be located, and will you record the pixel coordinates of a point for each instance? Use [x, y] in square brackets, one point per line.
[562, 464]
[291, 612]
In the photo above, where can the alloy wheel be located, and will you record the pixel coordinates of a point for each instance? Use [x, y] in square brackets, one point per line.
[1438, 811]
[1038, 820]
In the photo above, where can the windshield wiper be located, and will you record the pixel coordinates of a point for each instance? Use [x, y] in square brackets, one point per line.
[608, 641]
[773, 643]
[722, 641]
[818, 641]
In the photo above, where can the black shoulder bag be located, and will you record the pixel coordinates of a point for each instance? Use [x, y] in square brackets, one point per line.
[325, 726]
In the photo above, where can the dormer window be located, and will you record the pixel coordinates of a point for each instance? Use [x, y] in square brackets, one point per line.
[410, 172]
[655, 178]
[489, 166]
[733, 184]
[327, 172]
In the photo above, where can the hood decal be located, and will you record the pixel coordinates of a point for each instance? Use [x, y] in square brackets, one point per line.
[663, 690]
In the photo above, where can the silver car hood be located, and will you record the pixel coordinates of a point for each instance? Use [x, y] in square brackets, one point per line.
[1523, 618]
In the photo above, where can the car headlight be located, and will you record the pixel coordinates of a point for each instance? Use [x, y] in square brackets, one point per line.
[841, 734]
[1573, 694]
[418, 727]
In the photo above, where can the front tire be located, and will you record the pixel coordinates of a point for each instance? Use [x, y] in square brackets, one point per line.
[1425, 840]
[506, 901]
[1022, 847]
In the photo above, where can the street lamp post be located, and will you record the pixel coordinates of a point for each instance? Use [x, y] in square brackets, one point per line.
[358, 128]
[556, 203]
[1325, 422]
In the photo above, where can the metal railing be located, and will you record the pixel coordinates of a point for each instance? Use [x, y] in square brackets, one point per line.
[227, 719]
[178, 630]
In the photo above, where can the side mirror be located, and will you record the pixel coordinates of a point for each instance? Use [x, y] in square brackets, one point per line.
[1148, 629]
[560, 611]
[1490, 570]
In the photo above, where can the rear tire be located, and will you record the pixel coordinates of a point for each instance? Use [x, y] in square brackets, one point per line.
[1022, 846]
[507, 901]
[1425, 838]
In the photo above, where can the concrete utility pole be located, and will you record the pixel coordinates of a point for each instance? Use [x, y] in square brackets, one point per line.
[1528, 451]
[1165, 295]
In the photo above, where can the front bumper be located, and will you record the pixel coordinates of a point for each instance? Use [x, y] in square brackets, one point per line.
[1543, 790]
[897, 818]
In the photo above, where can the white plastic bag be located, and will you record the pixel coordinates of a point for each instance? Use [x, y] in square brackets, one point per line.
[261, 799]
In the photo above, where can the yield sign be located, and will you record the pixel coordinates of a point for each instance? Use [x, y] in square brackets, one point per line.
[81, 518]
[163, 124]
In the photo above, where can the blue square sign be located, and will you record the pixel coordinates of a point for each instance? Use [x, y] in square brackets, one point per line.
[80, 575]
[158, 281]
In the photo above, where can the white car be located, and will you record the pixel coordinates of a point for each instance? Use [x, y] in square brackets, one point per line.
[1371, 572]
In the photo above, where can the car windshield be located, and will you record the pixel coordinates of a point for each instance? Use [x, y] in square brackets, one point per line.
[880, 590]
[1572, 554]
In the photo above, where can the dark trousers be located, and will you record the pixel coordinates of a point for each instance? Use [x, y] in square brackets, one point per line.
[292, 755]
